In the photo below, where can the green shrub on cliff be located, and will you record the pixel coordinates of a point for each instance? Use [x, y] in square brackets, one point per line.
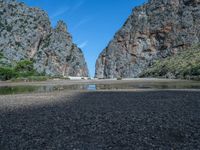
[184, 65]
[30, 78]
[7, 73]
[25, 68]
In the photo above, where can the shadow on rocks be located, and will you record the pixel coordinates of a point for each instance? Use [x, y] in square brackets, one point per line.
[106, 120]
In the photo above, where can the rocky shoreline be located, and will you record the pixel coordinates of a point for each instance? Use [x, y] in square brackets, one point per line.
[101, 120]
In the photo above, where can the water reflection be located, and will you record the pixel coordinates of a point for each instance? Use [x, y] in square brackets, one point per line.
[91, 87]
[95, 87]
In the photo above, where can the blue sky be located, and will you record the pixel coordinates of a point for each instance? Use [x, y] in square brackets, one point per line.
[92, 23]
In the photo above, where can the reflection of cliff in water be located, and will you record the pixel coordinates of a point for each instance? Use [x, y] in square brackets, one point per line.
[146, 85]
[97, 87]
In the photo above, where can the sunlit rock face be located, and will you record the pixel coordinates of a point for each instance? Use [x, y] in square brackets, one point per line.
[26, 33]
[155, 30]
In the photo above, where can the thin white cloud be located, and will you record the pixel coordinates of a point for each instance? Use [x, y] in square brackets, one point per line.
[78, 5]
[64, 10]
[75, 8]
[59, 12]
[81, 22]
[83, 44]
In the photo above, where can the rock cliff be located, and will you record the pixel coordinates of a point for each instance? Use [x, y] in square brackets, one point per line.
[156, 30]
[26, 33]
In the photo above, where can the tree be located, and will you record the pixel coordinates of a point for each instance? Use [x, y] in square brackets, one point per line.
[25, 68]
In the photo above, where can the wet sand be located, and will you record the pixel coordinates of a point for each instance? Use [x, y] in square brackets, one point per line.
[135, 119]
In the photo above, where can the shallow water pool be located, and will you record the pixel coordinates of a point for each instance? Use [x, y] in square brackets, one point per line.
[5, 90]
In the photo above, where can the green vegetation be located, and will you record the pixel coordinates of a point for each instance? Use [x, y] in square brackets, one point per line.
[184, 65]
[7, 73]
[30, 78]
[22, 71]
[119, 78]
[25, 68]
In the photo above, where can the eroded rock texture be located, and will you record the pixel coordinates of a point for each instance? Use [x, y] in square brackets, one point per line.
[156, 30]
[26, 33]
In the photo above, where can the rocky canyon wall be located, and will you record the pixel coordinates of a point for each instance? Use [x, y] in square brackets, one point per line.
[155, 30]
[26, 33]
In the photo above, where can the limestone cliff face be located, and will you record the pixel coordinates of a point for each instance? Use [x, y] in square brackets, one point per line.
[26, 33]
[156, 30]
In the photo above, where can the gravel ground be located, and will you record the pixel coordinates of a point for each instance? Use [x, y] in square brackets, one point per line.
[123, 120]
